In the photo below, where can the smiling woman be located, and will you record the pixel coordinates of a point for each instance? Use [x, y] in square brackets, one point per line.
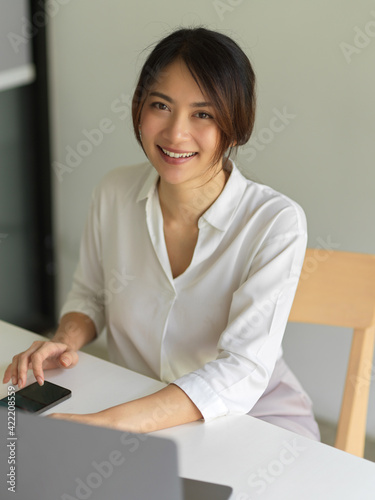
[222, 73]
[179, 138]
[214, 258]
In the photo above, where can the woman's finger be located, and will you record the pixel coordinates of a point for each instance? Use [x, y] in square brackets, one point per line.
[39, 356]
[48, 356]
[8, 374]
[21, 363]
[52, 355]
[69, 359]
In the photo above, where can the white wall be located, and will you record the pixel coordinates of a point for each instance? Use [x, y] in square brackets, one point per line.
[323, 158]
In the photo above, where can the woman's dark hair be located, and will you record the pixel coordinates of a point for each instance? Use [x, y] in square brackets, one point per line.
[223, 73]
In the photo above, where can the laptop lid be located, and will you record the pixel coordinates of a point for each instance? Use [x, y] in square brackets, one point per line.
[61, 460]
[55, 459]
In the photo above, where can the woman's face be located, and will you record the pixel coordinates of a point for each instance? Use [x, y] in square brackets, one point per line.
[177, 120]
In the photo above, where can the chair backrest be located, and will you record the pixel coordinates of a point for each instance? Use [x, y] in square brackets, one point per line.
[338, 288]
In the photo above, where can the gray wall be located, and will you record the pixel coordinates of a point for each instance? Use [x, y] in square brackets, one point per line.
[314, 62]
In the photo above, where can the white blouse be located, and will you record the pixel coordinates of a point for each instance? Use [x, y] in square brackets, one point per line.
[215, 330]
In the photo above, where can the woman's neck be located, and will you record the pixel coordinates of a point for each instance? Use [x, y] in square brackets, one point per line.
[185, 205]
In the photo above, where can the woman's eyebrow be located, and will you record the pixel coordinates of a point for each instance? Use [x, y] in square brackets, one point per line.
[169, 99]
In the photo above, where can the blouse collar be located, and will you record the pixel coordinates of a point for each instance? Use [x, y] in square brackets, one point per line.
[221, 212]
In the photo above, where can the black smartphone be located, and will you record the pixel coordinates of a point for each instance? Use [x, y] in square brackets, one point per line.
[35, 398]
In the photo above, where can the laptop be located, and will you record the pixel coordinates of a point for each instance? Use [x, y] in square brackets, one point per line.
[48, 459]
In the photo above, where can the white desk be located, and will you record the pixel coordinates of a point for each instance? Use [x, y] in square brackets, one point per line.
[257, 459]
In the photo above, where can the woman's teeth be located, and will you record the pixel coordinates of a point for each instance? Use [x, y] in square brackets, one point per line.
[177, 155]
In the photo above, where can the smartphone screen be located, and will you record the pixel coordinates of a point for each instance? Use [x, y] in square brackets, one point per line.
[36, 399]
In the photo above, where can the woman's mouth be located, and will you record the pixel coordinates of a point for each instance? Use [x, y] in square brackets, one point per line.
[173, 157]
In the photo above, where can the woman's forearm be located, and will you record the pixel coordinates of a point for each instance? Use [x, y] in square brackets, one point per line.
[166, 408]
[76, 330]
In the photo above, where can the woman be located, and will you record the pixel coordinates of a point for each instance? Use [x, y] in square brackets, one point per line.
[191, 267]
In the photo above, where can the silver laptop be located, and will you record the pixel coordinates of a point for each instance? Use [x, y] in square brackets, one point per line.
[51, 459]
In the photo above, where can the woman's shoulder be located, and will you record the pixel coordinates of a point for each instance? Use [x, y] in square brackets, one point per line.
[272, 204]
[124, 180]
[125, 174]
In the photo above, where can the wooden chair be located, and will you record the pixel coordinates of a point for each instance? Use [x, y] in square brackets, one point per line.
[338, 289]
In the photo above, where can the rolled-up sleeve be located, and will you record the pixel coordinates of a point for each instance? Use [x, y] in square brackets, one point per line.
[87, 291]
[251, 342]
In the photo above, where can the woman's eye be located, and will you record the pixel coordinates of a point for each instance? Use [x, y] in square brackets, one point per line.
[159, 105]
[204, 116]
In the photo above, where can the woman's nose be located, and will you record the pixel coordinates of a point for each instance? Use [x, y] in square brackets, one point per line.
[177, 128]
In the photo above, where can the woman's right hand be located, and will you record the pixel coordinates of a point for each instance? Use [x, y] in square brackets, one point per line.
[41, 355]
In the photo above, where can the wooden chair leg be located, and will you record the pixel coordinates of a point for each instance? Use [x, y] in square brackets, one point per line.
[351, 431]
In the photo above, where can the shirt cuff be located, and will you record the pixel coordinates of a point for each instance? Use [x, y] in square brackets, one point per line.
[202, 395]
